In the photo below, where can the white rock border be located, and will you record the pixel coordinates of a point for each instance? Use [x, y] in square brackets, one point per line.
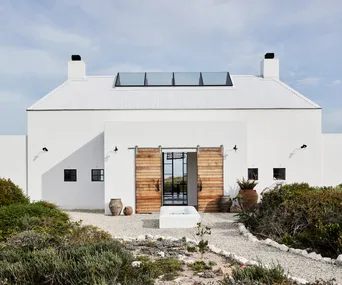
[312, 255]
[212, 248]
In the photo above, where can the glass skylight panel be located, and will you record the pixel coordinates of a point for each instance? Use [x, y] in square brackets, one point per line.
[187, 78]
[159, 78]
[151, 79]
[130, 79]
[214, 78]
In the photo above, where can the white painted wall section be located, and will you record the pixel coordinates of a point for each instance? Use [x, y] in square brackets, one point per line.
[13, 159]
[332, 159]
[119, 166]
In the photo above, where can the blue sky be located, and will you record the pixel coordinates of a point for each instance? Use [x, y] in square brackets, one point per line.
[38, 37]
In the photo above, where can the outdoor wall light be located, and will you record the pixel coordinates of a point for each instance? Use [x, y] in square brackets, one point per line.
[303, 146]
[45, 149]
[116, 149]
[235, 148]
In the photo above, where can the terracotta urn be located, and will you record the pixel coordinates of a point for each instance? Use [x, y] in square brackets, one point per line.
[128, 211]
[250, 198]
[115, 206]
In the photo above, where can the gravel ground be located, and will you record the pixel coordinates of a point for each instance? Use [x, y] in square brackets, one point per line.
[225, 235]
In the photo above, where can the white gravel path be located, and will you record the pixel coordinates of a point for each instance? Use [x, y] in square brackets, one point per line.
[225, 235]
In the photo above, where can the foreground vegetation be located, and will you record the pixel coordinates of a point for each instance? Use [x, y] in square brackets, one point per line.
[300, 216]
[40, 245]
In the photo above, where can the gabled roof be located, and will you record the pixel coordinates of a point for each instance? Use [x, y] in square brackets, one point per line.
[99, 93]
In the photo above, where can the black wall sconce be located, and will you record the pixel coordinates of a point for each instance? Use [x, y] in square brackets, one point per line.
[304, 146]
[116, 149]
[45, 149]
[235, 148]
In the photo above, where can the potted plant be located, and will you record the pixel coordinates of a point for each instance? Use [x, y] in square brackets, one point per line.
[249, 195]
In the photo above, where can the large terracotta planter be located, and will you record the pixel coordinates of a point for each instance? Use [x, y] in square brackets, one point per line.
[249, 198]
[225, 204]
[115, 206]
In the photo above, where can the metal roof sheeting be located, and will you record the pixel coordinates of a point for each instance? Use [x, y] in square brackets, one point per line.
[247, 92]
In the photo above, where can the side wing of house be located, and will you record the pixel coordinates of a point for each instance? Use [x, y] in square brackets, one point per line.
[13, 160]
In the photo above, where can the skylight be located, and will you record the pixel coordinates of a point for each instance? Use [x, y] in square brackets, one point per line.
[153, 79]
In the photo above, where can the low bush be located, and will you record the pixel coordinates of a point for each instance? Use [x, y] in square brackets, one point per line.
[261, 275]
[100, 263]
[36, 216]
[300, 216]
[85, 235]
[11, 193]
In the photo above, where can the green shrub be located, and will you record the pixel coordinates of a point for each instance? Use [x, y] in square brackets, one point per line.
[85, 235]
[16, 218]
[11, 193]
[101, 263]
[261, 275]
[31, 240]
[300, 216]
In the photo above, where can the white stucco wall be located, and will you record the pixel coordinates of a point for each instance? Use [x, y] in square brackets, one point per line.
[332, 159]
[270, 137]
[120, 165]
[13, 159]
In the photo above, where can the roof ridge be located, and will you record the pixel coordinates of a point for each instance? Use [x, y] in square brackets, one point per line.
[304, 98]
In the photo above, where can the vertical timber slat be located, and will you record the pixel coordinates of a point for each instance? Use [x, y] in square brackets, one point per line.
[148, 180]
[210, 179]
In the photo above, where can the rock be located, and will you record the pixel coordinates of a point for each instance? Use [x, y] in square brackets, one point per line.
[188, 261]
[283, 247]
[252, 263]
[141, 238]
[208, 274]
[295, 250]
[241, 260]
[327, 259]
[304, 253]
[148, 236]
[161, 254]
[136, 263]
[299, 280]
[268, 241]
[315, 256]
[225, 271]
[338, 260]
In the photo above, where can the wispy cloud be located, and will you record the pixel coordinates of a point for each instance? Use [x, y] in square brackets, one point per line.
[312, 81]
[336, 82]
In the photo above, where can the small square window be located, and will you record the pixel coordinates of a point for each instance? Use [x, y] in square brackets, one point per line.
[279, 174]
[70, 175]
[253, 174]
[97, 175]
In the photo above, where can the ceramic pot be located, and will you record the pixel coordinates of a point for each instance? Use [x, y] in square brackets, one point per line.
[128, 211]
[225, 204]
[249, 198]
[115, 206]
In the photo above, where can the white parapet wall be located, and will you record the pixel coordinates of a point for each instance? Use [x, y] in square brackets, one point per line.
[13, 162]
[176, 217]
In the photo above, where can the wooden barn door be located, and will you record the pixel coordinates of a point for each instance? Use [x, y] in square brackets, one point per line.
[209, 179]
[148, 180]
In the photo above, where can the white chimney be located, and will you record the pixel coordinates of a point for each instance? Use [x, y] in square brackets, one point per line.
[270, 66]
[76, 68]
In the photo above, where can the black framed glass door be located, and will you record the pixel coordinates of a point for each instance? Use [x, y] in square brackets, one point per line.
[175, 182]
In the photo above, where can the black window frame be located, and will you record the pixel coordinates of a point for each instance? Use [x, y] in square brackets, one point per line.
[281, 173]
[70, 175]
[250, 173]
[97, 175]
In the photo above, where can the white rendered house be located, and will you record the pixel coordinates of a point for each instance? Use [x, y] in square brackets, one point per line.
[156, 139]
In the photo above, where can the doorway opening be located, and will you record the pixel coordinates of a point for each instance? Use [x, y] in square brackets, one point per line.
[175, 178]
